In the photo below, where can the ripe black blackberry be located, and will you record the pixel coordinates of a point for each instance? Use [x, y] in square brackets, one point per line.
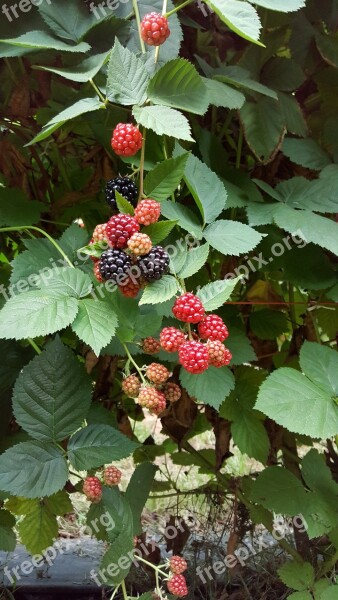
[114, 263]
[125, 186]
[154, 264]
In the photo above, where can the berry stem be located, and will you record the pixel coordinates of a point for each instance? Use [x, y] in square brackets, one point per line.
[124, 590]
[172, 12]
[28, 227]
[134, 363]
[156, 569]
[138, 21]
[100, 95]
[34, 345]
[143, 149]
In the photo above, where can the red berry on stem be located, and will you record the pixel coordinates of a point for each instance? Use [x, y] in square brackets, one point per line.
[154, 29]
[177, 585]
[177, 565]
[157, 373]
[140, 244]
[219, 355]
[189, 308]
[194, 357]
[92, 488]
[120, 229]
[131, 386]
[172, 392]
[153, 399]
[151, 346]
[99, 233]
[112, 475]
[171, 339]
[213, 328]
[147, 212]
[126, 140]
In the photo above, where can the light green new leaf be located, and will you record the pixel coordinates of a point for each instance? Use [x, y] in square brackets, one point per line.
[163, 180]
[206, 188]
[36, 313]
[97, 445]
[123, 204]
[45, 470]
[127, 77]
[210, 387]
[179, 85]
[216, 293]
[239, 16]
[221, 94]
[297, 576]
[231, 237]
[52, 394]
[164, 121]
[195, 259]
[95, 323]
[160, 291]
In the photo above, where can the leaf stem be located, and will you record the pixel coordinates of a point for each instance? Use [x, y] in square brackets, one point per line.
[171, 12]
[143, 149]
[124, 590]
[134, 363]
[34, 345]
[100, 95]
[239, 148]
[28, 227]
[138, 21]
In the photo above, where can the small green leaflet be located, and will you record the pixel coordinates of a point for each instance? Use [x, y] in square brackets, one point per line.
[123, 204]
[95, 323]
[216, 293]
[297, 576]
[164, 179]
[206, 188]
[240, 17]
[159, 231]
[210, 387]
[231, 237]
[160, 291]
[195, 259]
[164, 121]
[82, 72]
[127, 77]
[96, 445]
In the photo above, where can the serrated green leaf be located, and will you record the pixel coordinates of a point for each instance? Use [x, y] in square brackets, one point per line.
[163, 180]
[184, 216]
[210, 387]
[320, 364]
[280, 5]
[221, 94]
[328, 47]
[250, 435]
[239, 16]
[138, 491]
[66, 281]
[159, 231]
[216, 293]
[178, 84]
[195, 259]
[39, 528]
[281, 73]
[300, 596]
[306, 152]
[16, 209]
[36, 313]
[160, 291]
[296, 575]
[231, 237]
[164, 121]
[127, 77]
[45, 471]
[97, 445]
[95, 323]
[292, 113]
[7, 535]
[268, 324]
[82, 72]
[240, 77]
[264, 127]
[200, 180]
[240, 347]
[123, 204]
[279, 490]
[330, 593]
[68, 20]
[40, 40]
[119, 556]
[52, 394]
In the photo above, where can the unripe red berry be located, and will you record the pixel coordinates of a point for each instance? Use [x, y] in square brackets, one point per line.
[147, 211]
[172, 392]
[131, 386]
[157, 373]
[153, 399]
[188, 308]
[219, 355]
[140, 244]
[177, 585]
[171, 339]
[112, 475]
[120, 229]
[92, 488]
[97, 272]
[151, 346]
[212, 328]
[130, 288]
[154, 29]
[194, 357]
[177, 565]
[126, 140]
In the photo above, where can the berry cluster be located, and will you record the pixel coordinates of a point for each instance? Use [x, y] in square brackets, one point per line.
[176, 583]
[92, 486]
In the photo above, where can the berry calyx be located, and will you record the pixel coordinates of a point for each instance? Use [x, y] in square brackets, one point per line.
[92, 488]
[114, 264]
[157, 373]
[154, 264]
[140, 244]
[177, 565]
[126, 140]
[171, 339]
[131, 386]
[213, 328]
[125, 186]
[153, 399]
[219, 355]
[112, 475]
[172, 392]
[177, 585]
[120, 229]
[151, 346]
[188, 308]
[154, 29]
[194, 357]
[147, 212]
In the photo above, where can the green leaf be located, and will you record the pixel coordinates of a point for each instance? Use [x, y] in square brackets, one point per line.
[52, 394]
[45, 470]
[14, 358]
[268, 324]
[306, 153]
[200, 181]
[264, 127]
[39, 528]
[66, 281]
[231, 237]
[300, 596]
[238, 76]
[138, 491]
[305, 408]
[127, 77]
[184, 216]
[328, 47]
[297, 576]
[240, 347]
[292, 114]
[330, 593]
[123, 204]
[164, 179]
[81, 107]
[239, 16]
[41, 40]
[320, 364]
[95, 323]
[216, 293]
[82, 72]
[118, 559]
[195, 259]
[221, 94]
[97, 445]
[36, 313]
[179, 85]
[159, 231]
[164, 121]
[279, 490]
[160, 291]
[280, 5]
[282, 74]
[16, 209]
[67, 20]
[250, 435]
[7, 535]
[210, 387]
